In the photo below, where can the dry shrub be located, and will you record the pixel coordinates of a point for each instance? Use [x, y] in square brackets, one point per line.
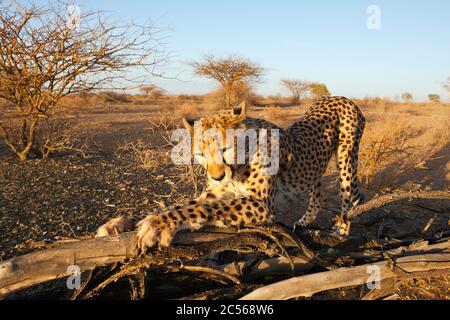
[161, 127]
[440, 135]
[386, 144]
[148, 156]
[385, 104]
[157, 94]
[59, 135]
[141, 152]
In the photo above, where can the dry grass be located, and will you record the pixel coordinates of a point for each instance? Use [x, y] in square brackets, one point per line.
[145, 156]
[399, 137]
[400, 140]
[384, 145]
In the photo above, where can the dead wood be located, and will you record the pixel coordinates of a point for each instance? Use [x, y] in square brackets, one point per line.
[419, 247]
[386, 199]
[307, 286]
[25, 271]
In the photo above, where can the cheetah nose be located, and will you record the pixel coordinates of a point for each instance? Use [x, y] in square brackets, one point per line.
[218, 178]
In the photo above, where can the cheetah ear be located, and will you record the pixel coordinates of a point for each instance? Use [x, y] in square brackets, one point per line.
[189, 124]
[241, 111]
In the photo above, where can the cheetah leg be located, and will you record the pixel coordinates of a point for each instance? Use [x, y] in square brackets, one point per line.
[159, 230]
[117, 226]
[122, 224]
[314, 207]
[347, 159]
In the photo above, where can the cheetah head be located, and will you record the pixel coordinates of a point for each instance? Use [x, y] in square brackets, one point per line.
[214, 142]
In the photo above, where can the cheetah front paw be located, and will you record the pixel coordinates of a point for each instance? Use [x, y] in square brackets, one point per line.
[342, 226]
[154, 231]
[115, 227]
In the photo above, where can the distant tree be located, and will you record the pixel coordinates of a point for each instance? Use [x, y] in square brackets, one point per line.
[152, 90]
[406, 96]
[230, 72]
[297, 88]
[434, 98]
[446, 85]
[319, 90]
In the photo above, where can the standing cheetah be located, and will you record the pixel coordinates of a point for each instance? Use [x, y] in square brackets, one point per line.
[243, 194]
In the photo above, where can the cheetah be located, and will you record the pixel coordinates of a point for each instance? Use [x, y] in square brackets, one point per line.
[243, 194]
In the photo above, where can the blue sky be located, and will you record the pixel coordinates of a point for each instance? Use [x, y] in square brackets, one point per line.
[325, 41]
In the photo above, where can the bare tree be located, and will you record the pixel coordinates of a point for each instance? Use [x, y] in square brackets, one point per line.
[406, 96]
[298, 88]
[229, 72]
[319, 90]
[46, 54]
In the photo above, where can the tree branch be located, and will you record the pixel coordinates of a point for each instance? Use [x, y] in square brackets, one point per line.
[386, 199]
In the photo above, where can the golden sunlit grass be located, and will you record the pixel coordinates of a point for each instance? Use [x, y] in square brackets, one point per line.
[399, 137]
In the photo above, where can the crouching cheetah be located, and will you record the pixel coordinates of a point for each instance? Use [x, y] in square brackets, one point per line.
[243, 193]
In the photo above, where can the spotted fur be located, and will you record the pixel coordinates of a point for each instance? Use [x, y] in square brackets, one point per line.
[242, 194]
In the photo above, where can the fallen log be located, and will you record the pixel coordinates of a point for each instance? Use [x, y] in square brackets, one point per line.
[28, 270]
[307, 286]
[389, 198]
[38, 267]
